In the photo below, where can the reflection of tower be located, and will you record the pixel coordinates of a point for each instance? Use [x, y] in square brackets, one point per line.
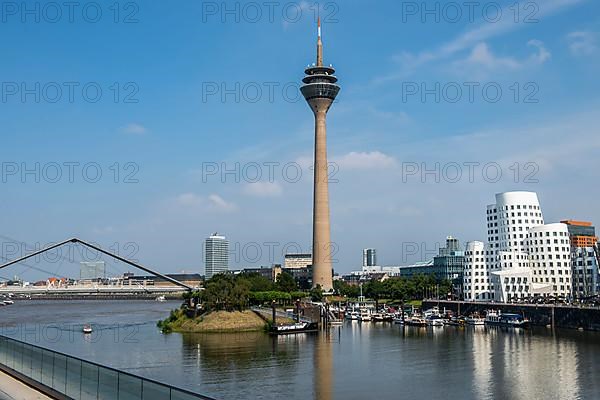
[323, 362]
[320, 91]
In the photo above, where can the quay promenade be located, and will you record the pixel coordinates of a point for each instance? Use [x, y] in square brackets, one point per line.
[13, 389]
[554, 315]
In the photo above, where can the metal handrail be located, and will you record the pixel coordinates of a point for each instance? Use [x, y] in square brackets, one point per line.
[170, 387]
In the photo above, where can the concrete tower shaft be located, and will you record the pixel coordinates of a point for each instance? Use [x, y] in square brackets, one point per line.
[320, 90]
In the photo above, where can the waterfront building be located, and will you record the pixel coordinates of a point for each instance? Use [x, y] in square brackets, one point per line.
[524, 257]
[216, 255]
[549, 251]
[508, 221]
[585, 259]
[476, 277]
[297, 260]
[320, 90]
[449, 264]
[369, 258]
[92, 270]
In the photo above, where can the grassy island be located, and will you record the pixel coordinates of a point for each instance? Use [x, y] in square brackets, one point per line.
[224, 304]
[216, 321]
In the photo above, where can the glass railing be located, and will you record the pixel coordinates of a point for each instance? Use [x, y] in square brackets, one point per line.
[79, 379]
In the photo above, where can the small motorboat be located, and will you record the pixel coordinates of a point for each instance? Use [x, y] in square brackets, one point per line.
[434, 320]
[364, 316]
[8, 302]
[416, 321]
[505, 319]
[161, 298]
[352, 315]
[299, 327]
[87, 329]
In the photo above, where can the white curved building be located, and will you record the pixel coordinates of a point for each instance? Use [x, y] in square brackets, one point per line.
[476, 274]
[549, 251]
[509, 220]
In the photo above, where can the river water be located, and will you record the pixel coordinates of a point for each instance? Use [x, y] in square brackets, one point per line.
[356, 361]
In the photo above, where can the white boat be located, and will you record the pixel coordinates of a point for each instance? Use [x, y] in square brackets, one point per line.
[416, 321]
[352, 315]
[365, 315]
[8, 302]
[87, 329]
[432, 311]
[434, 320]
[161, 298]
[474, 320]
[504, 319]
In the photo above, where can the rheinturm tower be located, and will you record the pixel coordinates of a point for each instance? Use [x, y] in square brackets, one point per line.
[320, 90]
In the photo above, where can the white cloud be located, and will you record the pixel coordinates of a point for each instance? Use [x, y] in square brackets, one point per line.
[212, 202]
[482, 59]
[542, 54]
[481, 55]
[263, 189]
[134, 129]
[365, 160]
[583, 43]
[481, 32]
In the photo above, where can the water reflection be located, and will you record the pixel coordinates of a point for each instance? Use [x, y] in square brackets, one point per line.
[355, 361]
[323, 362]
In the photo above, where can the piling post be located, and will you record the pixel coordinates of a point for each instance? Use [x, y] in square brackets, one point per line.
[274, 313]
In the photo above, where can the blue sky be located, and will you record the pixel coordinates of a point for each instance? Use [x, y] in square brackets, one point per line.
[166, 127]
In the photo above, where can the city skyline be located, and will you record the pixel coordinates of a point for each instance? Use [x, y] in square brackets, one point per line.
[226, 254]
[378, 138]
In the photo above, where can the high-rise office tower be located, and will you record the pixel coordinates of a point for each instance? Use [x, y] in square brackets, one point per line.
[369, 258]
[216, 255]
[320, 90]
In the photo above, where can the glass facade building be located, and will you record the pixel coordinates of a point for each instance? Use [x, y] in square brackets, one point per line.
[216, 255]
[369, 257]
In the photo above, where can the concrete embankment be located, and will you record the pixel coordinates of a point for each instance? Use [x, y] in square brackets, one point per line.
[558, 316]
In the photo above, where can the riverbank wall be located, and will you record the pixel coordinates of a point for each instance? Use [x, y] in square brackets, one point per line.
[558, 316]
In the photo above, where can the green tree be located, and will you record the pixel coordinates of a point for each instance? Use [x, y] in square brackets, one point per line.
[257, 282]
[343, 289]
[316, 293]
[286, 283]
[226, 292]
